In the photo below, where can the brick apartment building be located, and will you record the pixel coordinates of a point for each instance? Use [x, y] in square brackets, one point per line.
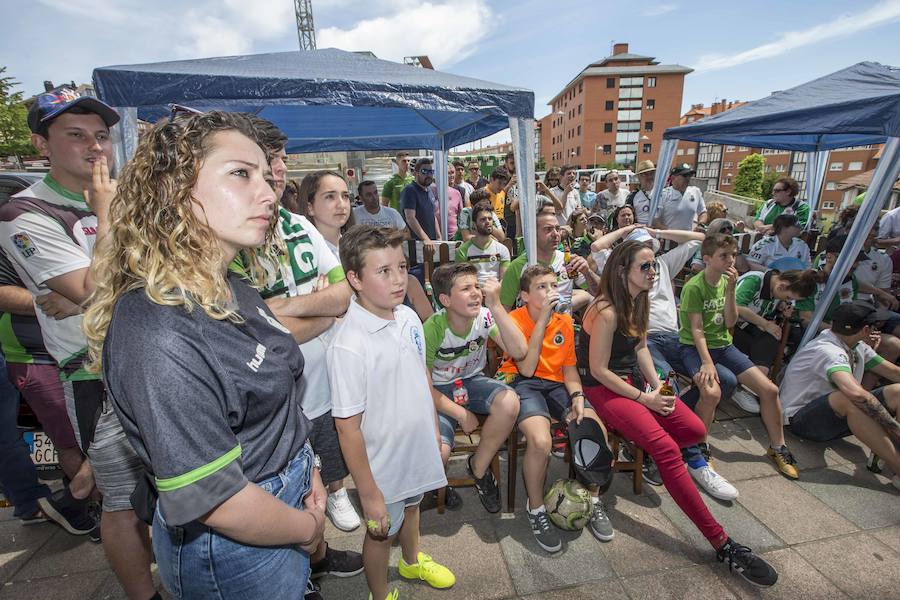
[614, 110]
[717, 165]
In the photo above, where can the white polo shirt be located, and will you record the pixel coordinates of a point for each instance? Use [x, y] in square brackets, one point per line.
[889, 227]
[877, 271]
[616, 200]
[679, 211]
[809, 373]
[641, 204]
[570, 202]
[769, 249]
[377, 367]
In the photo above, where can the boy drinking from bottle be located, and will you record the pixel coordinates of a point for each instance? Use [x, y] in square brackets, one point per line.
[456, 340]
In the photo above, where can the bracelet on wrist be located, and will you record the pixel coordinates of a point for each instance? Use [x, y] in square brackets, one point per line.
[638, 397]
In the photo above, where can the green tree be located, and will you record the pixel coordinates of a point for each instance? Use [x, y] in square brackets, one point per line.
[768, 183]
[750, 177]
[15, 137]
[540, 165]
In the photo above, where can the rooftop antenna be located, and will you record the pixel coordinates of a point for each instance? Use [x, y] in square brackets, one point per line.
[306, 30]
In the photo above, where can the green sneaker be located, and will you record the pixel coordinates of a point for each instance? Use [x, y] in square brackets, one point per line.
[435, 575]
[392, 595]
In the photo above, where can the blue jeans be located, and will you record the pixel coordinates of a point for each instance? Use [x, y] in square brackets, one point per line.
[667, 356]
[196, 562]
[18, 477]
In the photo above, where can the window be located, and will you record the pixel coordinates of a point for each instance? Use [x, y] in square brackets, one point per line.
[726, 180]
[631, 81]
[630, 148]
[580, 87]
[828, 206]
[836, 166]
[768, 169]
[690, 151]
[743, 149]
[831, 186]
[634, 92]
[610, 105]
[579, 109]
[855, 166]
[626, 136]
[730, 148]
[636, 103]
[607, 148]
[646, 149]
[680, 152]
[629, 115]
[628, 126]
[651, 82]
[651, 104]
[607, 128]
[577, 150]
[579, 130]
[780, 168]
[610, 82]
[648, 126]
[728, 164]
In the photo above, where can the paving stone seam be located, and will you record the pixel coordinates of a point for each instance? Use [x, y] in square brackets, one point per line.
[30, 558]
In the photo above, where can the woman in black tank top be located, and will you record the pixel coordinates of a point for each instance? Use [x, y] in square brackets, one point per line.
[622, 385]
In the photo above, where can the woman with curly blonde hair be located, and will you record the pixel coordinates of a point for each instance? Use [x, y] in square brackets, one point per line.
[204, 379]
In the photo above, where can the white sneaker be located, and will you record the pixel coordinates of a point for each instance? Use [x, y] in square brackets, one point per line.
[714, 484]
[341, 511]
[746, 399]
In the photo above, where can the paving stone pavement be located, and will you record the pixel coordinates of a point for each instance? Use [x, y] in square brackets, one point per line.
[835, 533]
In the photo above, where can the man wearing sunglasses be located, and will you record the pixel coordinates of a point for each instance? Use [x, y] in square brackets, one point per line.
[784, 201]
[418, 208]
[473, 175]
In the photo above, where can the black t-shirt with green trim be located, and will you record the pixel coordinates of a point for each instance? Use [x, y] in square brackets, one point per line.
[20, 335]
[208, 405]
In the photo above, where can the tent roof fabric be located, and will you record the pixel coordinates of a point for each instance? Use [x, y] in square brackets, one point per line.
[325, 99]
[855, 106]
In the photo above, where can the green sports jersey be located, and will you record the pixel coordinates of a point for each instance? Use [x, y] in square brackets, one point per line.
[754, 291]
[488, 260]
[393, 187]
[509, 288]
[451, 356]
[847, 292]
[698, 296]
[771, 209]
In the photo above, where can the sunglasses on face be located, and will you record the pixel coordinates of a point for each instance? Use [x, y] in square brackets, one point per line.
[779, 189]
[426, 171]
[645, 267]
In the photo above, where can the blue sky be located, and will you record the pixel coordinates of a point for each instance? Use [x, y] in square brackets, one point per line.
[739, 50]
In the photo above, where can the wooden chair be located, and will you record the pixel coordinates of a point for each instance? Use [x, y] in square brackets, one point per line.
[466, 448]
[633, 466]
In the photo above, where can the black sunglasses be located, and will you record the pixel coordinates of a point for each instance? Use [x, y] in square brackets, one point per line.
[179, 110]
[649, 265]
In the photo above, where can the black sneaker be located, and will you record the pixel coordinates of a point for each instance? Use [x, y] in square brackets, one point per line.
[67, 512]
[340, 563]
[600, 525]
[741, 560]
[544, 533]
[452, 499]
[313, 591]
[487, 489]
[648, 470]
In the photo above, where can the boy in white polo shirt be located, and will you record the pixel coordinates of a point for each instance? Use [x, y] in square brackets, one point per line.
[376, 365]
[822, 395]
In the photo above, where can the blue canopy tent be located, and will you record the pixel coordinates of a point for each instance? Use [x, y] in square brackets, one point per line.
[855, 106]
[330, 100]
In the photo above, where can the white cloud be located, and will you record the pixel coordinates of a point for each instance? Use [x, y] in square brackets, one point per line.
[106, 11]
[842, 26]
[658, 9]
[433, 28]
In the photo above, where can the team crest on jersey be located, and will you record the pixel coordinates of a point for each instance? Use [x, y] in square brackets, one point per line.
[24, 244]
[559, 338]
[473, 346]
[273, 322]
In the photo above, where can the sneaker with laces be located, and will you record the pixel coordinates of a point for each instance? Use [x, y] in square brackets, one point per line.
[714, 484]
[341, 512]
[313, 591]
[741, 560]
[600, 525]
[785, 461]
[67, 512]
[560, 438]
[340, 563]
[392, 595]
[648, 470]
[486, 486]
[435, 575]
[544, 533]
[746, 399]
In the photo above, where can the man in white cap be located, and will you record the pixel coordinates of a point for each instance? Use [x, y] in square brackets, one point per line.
[640, 199]
[681, 205]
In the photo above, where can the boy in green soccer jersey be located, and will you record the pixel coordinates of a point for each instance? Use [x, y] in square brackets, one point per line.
[708, 312]
[456, 353]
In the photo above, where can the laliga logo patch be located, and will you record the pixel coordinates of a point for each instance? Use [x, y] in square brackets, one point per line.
[416, 337]
[558, 339]
[273, 322]
[24, 244]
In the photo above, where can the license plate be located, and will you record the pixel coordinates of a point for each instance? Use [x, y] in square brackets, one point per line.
[42, 450]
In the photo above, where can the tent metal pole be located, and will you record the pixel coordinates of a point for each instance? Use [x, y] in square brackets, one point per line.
[880, 189]
[442, 182]
[522, 133]
[816, 167]
[666, 155]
